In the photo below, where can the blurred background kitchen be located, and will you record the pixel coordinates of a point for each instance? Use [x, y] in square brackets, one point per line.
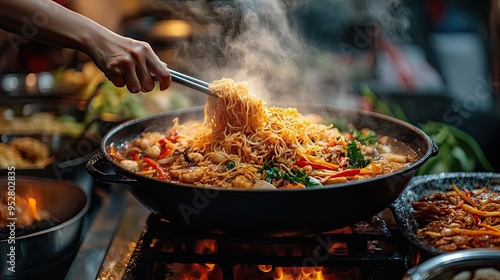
[433, 63]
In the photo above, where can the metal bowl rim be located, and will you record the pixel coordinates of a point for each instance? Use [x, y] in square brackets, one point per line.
[448, 260]
[68, 222]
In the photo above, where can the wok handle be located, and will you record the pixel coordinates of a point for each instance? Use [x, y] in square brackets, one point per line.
[434, 149]
[102, 176]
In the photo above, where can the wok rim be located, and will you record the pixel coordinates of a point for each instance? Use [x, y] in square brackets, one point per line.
[64, 184]
[196, 109]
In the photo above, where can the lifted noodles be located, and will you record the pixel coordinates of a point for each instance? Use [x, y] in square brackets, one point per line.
[244, 144]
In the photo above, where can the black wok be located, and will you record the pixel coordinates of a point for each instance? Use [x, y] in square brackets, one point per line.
[263, 212]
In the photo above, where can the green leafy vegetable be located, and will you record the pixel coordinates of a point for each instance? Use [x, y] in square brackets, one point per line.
[458, 150]
[356, 158]
[230, 165]
[301, 177]
[344, 126]
[365, 138]
[273, 172]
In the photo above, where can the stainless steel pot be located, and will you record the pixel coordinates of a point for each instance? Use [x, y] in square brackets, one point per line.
[446, 266]
[67, 203]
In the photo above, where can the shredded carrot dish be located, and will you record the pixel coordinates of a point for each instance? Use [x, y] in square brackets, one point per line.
[459, 219]
[241, 143]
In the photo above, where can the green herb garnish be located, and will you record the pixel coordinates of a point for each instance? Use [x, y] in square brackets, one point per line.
[356, 158]
[365, 138]
[230, 165]
[273, 172]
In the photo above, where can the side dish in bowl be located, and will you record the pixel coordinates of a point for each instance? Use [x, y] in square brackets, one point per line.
[450, 211]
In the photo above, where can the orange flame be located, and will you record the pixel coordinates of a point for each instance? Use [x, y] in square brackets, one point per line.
[298, 273]
[265, 267]
[27, 211]
[202, 271]
[206, 246]
[211, 271]
[32, 210]
[199, 272]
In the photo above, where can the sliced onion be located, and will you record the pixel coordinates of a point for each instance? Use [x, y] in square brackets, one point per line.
[263, 185]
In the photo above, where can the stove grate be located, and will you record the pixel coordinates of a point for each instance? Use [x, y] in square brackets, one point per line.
[166, 250]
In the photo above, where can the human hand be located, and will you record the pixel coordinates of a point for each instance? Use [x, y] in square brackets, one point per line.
[129, 62]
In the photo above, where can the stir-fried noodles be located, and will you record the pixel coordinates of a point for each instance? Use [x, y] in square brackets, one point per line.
[460, 219]
[244, 144]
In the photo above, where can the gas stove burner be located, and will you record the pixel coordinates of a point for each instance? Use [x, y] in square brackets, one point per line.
[366, 250]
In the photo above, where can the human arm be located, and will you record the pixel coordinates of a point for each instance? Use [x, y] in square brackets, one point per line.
[123, 60]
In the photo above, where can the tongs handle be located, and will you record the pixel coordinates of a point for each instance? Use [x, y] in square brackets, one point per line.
[191, 82]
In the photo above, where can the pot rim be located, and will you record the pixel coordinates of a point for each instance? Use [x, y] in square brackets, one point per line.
[66, 223]
[450, 260]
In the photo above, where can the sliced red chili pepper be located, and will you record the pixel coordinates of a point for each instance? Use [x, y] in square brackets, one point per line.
[477, 218]
[346, 173]
[165, 152]
[157, 167]
[162, 142]
[173, 136]
[302, 163]
[136, 155]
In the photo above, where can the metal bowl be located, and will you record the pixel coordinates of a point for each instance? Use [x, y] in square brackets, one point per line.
[65, 202]
[447, 265]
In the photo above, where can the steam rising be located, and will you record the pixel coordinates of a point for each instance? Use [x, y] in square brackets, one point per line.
[265, 43]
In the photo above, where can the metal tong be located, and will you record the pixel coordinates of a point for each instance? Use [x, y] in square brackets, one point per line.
[191, 82]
